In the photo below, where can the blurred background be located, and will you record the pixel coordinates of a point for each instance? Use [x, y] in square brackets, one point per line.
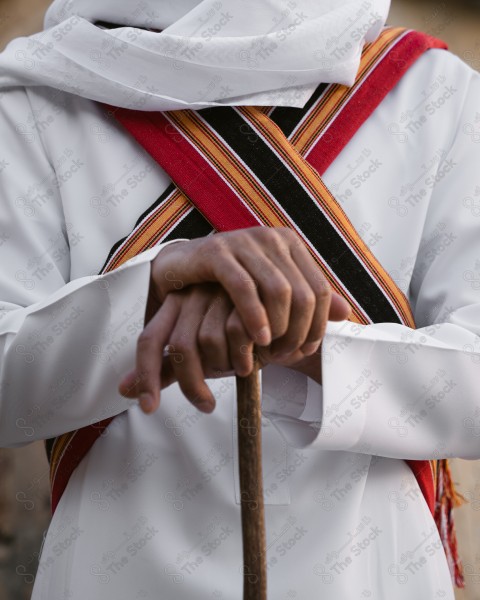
[24, 491]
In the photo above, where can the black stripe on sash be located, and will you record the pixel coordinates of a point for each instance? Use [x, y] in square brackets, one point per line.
[301, 208]
[166, 194]
[288, 117]
[49, 447]
[193, 224]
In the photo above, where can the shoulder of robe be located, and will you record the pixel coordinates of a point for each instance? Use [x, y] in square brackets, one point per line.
[15, 111]
[425, 109]
[30, 206]
[454, 82]
[22, 152]
[67, 120]
[438, 68]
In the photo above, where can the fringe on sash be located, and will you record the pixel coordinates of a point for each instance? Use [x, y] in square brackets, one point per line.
[447, 498]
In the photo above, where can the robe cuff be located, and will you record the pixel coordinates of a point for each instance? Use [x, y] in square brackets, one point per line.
[293, 403]
[337, 420]
[308, 414]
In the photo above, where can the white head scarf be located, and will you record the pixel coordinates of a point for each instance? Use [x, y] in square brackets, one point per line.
[208, 53]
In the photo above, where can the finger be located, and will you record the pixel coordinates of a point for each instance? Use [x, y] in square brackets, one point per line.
[212, 259]
[128, 384]
[167, 376]
[301, 311]
[240, 345]
[340, 309]
[263, 258]
[212, 336]
[150, 345]
[241, 286]
[185, 355]
[323, 296]
[274, 288]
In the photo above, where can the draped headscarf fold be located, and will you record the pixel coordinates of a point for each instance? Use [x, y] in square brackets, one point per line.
[172, 54]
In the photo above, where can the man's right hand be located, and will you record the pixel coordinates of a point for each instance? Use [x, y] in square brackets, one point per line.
[276, 286]
[280, 296]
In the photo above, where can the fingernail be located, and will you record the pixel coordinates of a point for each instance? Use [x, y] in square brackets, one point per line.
[311, 347]
[347, 305]
[146, 402]
[242, 372]
[264, 336]
[128, 379]
[206, 407]
[125, 390]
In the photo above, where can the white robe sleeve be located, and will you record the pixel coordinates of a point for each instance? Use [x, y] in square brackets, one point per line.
[392, 391]
[64, 345]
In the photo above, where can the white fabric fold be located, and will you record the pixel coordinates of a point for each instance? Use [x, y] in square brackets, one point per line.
[208, 53]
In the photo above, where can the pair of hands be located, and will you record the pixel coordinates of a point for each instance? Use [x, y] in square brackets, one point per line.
[212, 299]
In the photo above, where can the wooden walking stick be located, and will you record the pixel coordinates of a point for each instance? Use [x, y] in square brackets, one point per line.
[251, 486]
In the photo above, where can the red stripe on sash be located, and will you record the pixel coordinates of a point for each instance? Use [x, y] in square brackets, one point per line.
[78, 447]
[199, 180]
[422, 471]
[367, 97]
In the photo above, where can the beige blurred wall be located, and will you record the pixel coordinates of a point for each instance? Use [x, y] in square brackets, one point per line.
[24, 492]
[24, 500]
[20, 17]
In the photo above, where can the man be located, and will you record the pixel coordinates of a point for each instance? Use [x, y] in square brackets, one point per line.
[152, 509]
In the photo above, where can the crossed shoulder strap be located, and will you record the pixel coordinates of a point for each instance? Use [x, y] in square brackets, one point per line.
[235, 167]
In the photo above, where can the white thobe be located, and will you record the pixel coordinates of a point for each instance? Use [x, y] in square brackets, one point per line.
[153, 509]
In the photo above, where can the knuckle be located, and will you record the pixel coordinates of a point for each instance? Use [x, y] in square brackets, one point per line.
[145, 339]
[273, 236]
[214, 245]
[234, 328]
[289, 234]
[175, 342]
[323, 292]
[305, 299]
[244, 283]
[186, 350]
[287, 238]
[280, 244]
[209, 339]
[179, 347]
[320, 282]
[280, 290]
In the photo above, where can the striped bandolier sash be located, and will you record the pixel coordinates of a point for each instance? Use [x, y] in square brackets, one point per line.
[236, 167]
